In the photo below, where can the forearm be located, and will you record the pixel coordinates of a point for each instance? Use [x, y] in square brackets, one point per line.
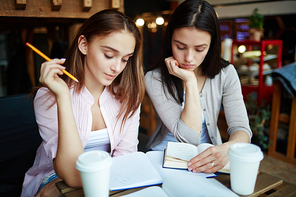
[238, 137]
[191, 114]
[69, 143]
[168, 109]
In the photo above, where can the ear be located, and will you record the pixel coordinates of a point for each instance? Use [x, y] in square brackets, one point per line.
[82, 44]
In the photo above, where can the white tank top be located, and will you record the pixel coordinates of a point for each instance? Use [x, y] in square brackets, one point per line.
[98, 140]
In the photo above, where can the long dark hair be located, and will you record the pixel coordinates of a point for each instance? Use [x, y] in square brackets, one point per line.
[129, 86]
[196, 14]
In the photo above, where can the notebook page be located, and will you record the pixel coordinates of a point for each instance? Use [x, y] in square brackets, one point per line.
[133, 170]
[185, 185]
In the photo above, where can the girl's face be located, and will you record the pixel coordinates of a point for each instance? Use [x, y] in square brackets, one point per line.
[190, 47]
[106, 56]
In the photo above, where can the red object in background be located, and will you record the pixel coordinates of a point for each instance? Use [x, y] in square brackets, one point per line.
[174, 5]
[262, 90]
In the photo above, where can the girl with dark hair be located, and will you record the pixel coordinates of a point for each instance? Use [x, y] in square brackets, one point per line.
[100, 112]
[190, 82]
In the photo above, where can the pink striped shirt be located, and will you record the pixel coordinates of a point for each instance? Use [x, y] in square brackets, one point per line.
[122, 141]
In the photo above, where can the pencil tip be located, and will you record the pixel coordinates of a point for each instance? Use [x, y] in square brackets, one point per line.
[76, 80]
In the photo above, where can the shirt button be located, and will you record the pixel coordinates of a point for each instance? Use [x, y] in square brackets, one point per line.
[208, 124]
[212, 137]
[200, 95]
[204, 109]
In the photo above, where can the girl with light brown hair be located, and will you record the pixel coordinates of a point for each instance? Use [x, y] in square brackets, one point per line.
[99, 112]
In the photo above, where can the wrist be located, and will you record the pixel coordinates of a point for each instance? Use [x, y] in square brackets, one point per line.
[63, 97]
[191, 84]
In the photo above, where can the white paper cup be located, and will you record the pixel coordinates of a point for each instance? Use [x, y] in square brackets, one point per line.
[244, 164]
[94, 167]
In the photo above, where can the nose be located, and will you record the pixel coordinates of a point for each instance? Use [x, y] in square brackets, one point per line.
[116, 66]
[188, 56]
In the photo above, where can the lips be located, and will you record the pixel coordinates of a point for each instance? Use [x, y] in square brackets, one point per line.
[109, 76]
[187, 66]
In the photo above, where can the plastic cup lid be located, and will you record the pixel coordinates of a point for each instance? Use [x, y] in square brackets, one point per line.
[245, 152]
[93, 161]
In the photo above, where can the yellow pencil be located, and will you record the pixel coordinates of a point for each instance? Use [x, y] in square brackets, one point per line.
[48, 59]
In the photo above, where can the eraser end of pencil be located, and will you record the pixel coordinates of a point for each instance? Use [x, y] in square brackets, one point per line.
[27, 43]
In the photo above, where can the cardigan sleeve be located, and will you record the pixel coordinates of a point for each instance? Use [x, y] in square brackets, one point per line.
[233, 103]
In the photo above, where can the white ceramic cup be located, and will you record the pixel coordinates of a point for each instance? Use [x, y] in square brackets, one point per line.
[244, 164]
[94, 167]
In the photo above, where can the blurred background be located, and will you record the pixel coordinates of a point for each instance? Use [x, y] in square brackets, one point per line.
[50, 25]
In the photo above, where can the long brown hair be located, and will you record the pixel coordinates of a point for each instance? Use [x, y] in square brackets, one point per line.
[128, 87]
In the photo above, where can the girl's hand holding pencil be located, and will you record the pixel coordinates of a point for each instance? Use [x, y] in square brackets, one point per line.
[48, 59]
[49, 74]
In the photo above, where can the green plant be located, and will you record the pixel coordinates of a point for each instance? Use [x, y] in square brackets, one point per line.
[259, 117]
[256, 20]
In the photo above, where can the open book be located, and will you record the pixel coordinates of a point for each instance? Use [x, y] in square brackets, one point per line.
[176, 186]
[178, 154]
[139, 170]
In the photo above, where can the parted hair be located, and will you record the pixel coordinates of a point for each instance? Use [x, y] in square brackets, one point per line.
[128, 87]
[196, 14]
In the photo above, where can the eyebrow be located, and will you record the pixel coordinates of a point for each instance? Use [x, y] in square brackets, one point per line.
[186, 44]
[116, 51]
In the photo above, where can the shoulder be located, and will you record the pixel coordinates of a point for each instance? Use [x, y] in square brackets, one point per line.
[229, 73]
[153, 74]
[153, 81]
[43, 95]
[226, 78]
[228, 70]
[152, 77]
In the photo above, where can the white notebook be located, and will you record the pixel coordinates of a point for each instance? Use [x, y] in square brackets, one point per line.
[139, 169]
[186, 185]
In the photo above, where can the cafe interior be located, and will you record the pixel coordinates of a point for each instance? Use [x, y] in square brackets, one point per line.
[262, 64]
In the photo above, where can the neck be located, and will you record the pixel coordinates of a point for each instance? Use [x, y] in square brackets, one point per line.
[198, 72]
[95, 89]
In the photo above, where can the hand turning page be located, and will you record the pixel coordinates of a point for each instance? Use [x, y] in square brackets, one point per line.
[178, 154]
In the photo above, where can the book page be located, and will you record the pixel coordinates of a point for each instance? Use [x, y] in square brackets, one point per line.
[202, 147]
[156, 158]
[182, 151]
[133, 170]
[185, 185]
[186, 152]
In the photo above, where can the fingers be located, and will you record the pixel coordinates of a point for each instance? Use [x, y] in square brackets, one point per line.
[174, 69]
[213, 168]
[204, 157]
[208, 161]
[172, 65]
[50, 70]
[49, 77]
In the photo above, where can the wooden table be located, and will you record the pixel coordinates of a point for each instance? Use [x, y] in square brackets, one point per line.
[266, 185]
